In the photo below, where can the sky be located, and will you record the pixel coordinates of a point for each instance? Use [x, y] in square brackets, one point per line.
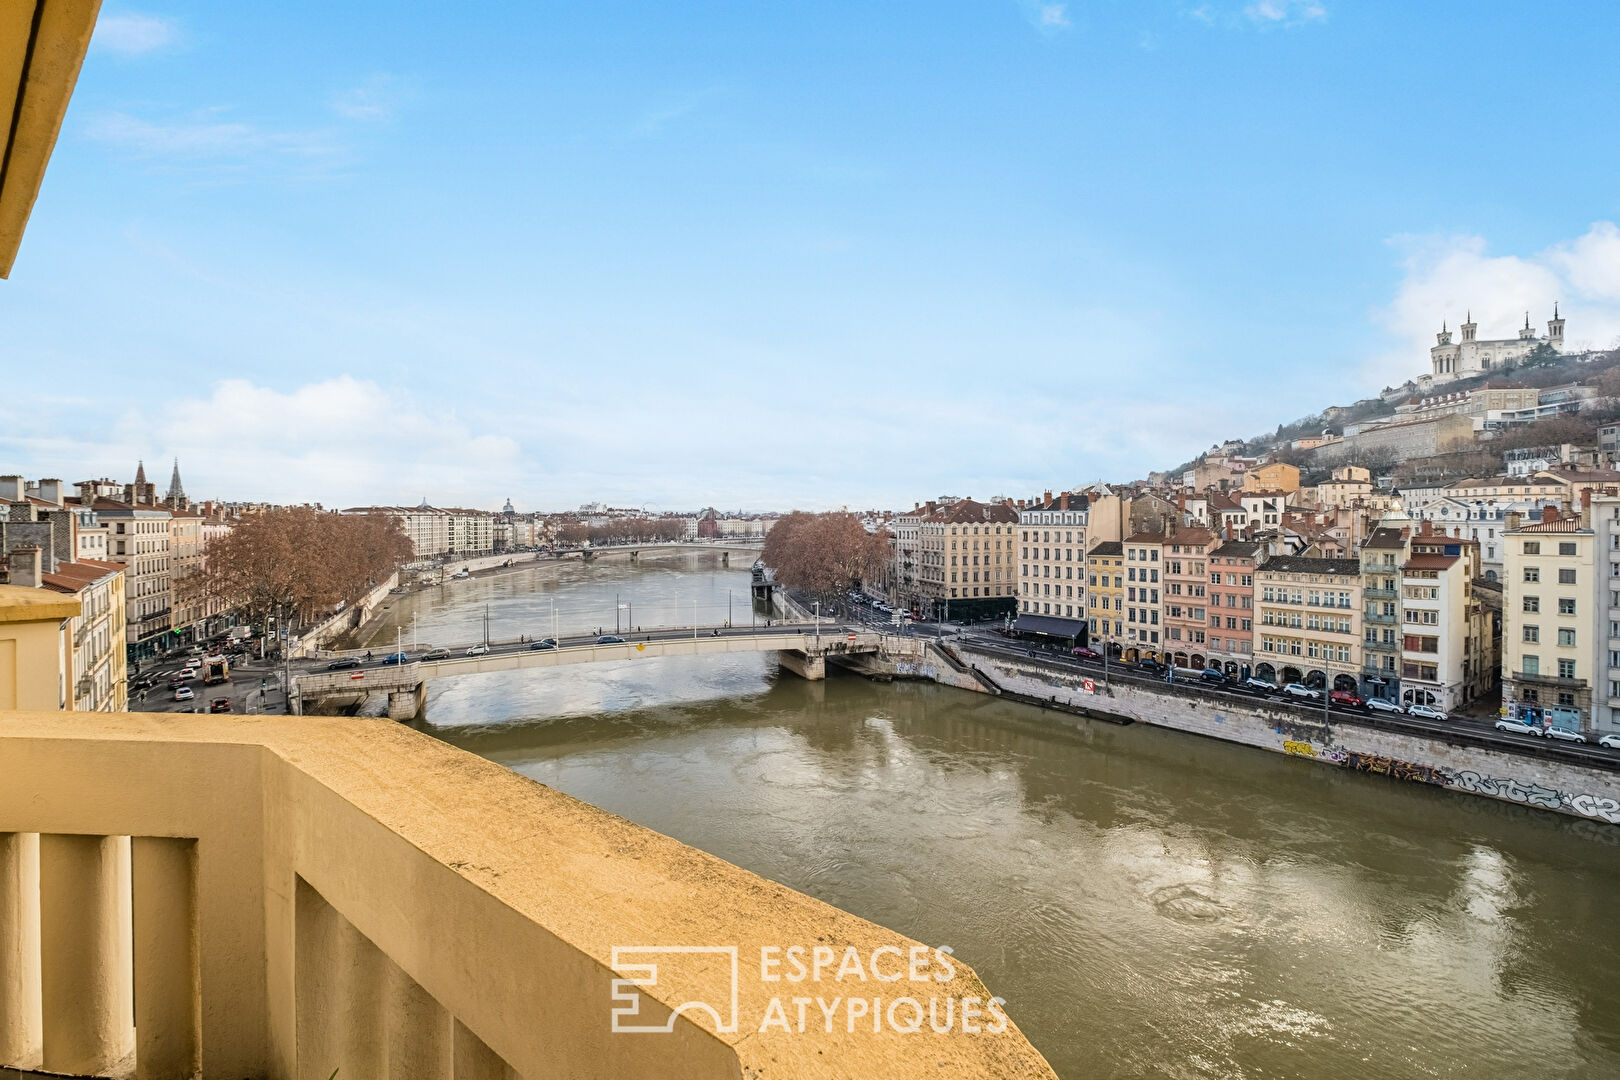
[771, 256]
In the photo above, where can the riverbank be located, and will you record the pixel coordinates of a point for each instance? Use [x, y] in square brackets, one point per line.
[1451, 761]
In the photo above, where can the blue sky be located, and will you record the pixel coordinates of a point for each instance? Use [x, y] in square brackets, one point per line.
[768, 255]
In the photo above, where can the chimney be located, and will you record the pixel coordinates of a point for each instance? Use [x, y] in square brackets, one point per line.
[51, 491]
[1514, 519]
[1426, 528]
[1550, 512]
[1586, 508]
[1047, 499]
[1063, 501]
[24, 562]
[1406, 533]
[11, 489]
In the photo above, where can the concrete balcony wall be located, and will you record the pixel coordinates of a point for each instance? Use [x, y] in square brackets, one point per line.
[315, 893]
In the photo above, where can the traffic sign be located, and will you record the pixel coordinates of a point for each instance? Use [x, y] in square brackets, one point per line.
[1089, 686]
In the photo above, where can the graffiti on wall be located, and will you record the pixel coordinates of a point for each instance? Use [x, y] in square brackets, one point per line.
[1596, 807]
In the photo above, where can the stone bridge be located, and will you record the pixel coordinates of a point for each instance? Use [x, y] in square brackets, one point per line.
[800, 649]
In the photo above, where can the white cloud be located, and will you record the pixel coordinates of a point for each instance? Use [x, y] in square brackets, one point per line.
[373, 101]
[344, 439]
[210, 139]
[1447, 278]
[1048, 18]
[133, 34]
[1286, 12]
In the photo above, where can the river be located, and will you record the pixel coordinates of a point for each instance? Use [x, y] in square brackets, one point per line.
[1149, 903]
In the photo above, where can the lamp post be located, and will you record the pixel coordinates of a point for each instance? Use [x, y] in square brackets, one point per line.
[728, 609]
[616, 607]
[416, 617]
[818, 624]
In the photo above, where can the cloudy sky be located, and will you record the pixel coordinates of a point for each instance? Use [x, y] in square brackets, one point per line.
[768, 255]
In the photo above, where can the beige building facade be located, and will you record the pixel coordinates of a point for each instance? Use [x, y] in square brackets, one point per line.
[1309, 627]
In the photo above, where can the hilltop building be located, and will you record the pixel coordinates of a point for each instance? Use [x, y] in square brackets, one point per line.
[1470, 356]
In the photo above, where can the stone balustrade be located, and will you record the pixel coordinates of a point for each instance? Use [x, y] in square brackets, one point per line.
[284, 896]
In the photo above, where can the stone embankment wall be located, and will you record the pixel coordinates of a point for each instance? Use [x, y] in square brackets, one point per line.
[1565, 787]
[343, 621]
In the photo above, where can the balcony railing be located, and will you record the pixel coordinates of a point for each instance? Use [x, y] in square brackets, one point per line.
[295, 895]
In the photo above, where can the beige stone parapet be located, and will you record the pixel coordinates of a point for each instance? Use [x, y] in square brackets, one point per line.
[314, 893]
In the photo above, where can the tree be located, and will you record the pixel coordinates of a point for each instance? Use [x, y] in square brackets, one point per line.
[825, 554]
[299, 561]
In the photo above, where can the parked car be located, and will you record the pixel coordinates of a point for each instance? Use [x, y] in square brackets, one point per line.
[220, 704]
[1378, 704]
[396, 658]
[1083, 653]
[1518, 727]
[478, 650]
[1611, 742]
[1563, 735]
[1213, 675]
[1258, 685]
[436, 654]
[610, 639]
[1346, 700]
[1301, 691]
[1152, 667]
[183, 693]
[1427, 712]
[343, 663]
[543, 643]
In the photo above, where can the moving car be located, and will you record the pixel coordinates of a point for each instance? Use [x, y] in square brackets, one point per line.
[183, 693]
[1345, 699]
[1213, 675]
[220, 704]
[543, 643]
[1083, 653]
[396, 658]
[478, 650]
[436, 654]
[1378, 704]
[1152, 667]
[610, 639]
[1427, 712]
[1258, 685]
[1563, 735]
[1301, 691]
[1518, 727]
[343, 663]
[1611, 742]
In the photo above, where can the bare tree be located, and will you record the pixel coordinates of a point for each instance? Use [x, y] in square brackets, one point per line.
[825, 554]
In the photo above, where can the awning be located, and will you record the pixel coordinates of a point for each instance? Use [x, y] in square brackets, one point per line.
[1046, 624]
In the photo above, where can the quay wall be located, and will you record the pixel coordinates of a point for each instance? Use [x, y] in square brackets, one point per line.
[1563, 787]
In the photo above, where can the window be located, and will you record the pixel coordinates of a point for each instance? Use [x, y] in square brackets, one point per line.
[1532, 547]
[1531, 664]
[1566, 669]
[1532, 633]
[1566, 548]
[1566, 577]
[1566, 606]
[1532, 603]
[1566, 638]
[1532, 574]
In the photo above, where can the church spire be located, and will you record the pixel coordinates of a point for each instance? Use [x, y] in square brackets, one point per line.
[140, 472]
[177, 493]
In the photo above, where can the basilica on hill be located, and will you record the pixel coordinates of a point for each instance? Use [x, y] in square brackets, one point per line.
[1470, 356]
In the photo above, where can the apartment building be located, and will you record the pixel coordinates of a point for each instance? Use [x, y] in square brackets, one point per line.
[905, 568]
[469, 532]
[1549, 654]
[138, 539]
[1052, 568]
[1441, 650]
[969, 560]
[98, 682]
[1185, 596]
[1105, 594]
[187, 620]
[428, 527]
[1383, 554]
[1309, 627]
[1230, 621]
[1604, 620]
[1144, 587]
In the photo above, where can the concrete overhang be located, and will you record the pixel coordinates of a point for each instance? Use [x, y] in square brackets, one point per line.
[42, 45]
[18, 604]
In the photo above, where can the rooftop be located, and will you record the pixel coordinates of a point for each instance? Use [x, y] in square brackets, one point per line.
[1301, 564]
[21, 604]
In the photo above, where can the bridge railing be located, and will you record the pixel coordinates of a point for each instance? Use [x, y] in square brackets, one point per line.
[291, 896]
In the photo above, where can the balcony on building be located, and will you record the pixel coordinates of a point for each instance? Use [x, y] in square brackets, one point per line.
[186, 895]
